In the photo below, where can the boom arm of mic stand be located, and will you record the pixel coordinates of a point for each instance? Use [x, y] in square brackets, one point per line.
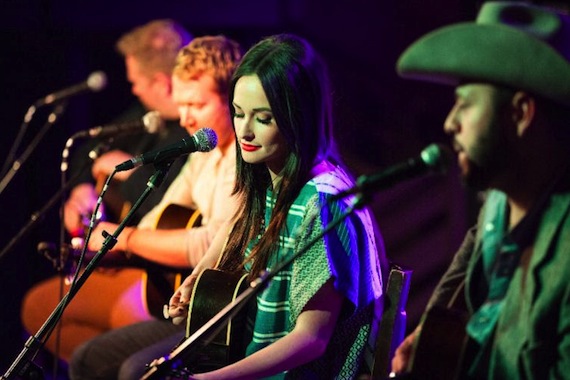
[16, 144]
[208, 331]
[17, 164]
[38, 215]
[35, 342]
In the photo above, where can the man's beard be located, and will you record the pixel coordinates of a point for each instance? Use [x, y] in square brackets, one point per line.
[487, 160]
[478, 177]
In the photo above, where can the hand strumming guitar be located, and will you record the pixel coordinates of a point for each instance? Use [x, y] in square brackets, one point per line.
[404, 352]
[178, 305]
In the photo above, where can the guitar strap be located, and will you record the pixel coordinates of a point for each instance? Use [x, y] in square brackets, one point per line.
[499, 255]
[501, 252]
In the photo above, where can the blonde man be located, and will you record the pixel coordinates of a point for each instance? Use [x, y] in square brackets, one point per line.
[200, 83]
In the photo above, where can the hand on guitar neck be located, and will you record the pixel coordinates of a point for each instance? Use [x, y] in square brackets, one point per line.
[79, 207]
[83, 197]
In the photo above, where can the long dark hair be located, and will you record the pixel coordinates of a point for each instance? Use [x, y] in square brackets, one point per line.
[296, 83]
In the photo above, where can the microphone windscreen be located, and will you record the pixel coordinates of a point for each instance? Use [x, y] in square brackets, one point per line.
[97, 81]
[205, 139]
[152, 121]
[437, 157]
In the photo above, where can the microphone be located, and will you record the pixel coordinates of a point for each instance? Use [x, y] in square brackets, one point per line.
[435, 158]
[151, 122]
[202, 141]
[95, 82]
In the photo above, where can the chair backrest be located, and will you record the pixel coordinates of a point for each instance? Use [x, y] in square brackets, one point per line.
[392, 327]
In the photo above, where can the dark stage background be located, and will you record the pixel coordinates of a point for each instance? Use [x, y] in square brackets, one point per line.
[382, 119]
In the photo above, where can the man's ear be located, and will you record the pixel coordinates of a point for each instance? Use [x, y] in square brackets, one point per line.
[524, 108]
[164, 82]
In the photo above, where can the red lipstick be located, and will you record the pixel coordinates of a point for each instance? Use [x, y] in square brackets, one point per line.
[249, 148]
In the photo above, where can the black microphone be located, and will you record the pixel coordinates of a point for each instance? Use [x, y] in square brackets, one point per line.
[435, 158]
[95, 82]
[202, 141]
[151, 122]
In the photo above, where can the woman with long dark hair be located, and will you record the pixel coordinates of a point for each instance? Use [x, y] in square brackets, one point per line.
[314, 318]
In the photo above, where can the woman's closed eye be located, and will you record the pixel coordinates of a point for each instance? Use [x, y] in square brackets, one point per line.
[264, 119]
[260, 119]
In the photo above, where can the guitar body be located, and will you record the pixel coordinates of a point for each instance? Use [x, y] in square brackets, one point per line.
[176, 216]
[159, 282]
[215, 330]
[214, 290]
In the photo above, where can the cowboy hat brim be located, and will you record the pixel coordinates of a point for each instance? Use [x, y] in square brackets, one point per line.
[488, 53]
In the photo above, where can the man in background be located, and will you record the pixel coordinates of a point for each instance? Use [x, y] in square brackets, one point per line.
[110, 300]
[149, 53]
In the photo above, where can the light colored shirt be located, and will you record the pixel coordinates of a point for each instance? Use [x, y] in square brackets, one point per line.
[205, 183]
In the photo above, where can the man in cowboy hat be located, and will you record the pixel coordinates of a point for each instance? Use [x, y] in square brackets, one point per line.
[510, 126]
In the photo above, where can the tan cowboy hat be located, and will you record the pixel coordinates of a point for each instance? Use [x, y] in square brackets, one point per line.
[513, 44]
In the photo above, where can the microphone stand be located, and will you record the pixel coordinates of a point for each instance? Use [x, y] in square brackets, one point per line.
[38, 215]
[175, 360]
[16, 144]
[23, 366]
[17, 164]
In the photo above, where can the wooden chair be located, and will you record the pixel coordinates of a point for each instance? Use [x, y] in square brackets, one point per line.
[392, 327]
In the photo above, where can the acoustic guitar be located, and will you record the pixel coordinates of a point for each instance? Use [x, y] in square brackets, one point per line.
[217, 345]
[440, 347]
[159, 281]
[214, 290]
